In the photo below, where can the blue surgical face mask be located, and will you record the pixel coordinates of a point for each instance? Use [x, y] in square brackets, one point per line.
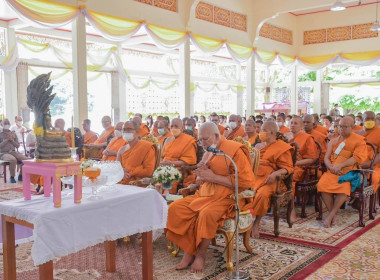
[188, 127]
[161, 131]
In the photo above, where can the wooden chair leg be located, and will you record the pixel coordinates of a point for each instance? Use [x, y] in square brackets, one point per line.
[319, 199]
[303, 205]
[246, 237]
[276, 217]
[371, 205]
[289, 212]
[5, 172]
[213, 241]
[361, 211]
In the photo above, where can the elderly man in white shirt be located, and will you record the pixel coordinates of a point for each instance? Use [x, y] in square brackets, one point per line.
[19, 129]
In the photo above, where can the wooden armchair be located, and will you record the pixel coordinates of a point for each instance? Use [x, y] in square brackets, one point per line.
[309, 183]
[229, 227]
[362, 193]
[282, 199]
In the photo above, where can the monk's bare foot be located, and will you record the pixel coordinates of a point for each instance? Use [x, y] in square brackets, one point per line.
[198, 265]
[334, 220]
[255, 233]
[328, 221]
[185, 262]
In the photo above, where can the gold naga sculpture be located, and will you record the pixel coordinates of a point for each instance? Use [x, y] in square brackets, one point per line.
[51, 143]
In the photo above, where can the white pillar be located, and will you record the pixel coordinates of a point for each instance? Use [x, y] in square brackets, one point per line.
[122, 91]
[293, 92]
[317, 93]
[325, 98]
[10, 82]
[192, 94]
[251, 85]
[184, 79]
[79, 70]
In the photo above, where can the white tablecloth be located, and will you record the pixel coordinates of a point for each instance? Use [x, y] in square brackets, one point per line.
[123, 211]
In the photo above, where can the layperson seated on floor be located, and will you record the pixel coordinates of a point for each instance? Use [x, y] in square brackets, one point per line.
[275, 159]
[8, 150]
[190, 124]
[89, 136]
[194, 220]
[179, 150]
[372, 135]
[95, 149]
[307, 153]
[250, 130]
[235, 128]
[110, 152]
[163, 132]
[344, 153]
[143, 128]
[216, 120]
[138, 157]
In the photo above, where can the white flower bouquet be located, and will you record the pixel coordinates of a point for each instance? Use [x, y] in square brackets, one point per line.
[87, 163]
[166, 174]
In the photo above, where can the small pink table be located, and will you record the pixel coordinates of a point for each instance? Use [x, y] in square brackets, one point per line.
[52, 171]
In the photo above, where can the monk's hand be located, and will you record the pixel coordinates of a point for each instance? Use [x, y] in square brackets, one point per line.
[205, 174]
[336, 169]
[168, 162]
[271, 178]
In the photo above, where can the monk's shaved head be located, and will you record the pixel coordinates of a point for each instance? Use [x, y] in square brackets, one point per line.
[347, 121]
[296, 124]
[270, 126]
[345, 127]
[191, 122]
[137, 120]
[119, 126]
[209, 134]
[138, 115]
[162, 124]
[130, 124]
[250, 121]
[176, 121]
[369, 115]
[210, 127]
[308, 123]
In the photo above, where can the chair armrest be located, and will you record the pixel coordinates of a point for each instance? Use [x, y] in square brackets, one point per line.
[189, 190]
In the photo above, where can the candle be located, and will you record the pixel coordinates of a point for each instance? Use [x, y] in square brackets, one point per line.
[72, 133]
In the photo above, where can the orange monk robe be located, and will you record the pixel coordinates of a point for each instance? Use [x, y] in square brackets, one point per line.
[355, 147]
[198, 216]
[321, 139]
[373, 136]
[251, 139]
[222, 129]
[307, 150]
[322, 129]
[196, 131]
[162, 138]
[90, 137]
[103, 139]
[284, 129]
[272, 158]
[357, 127]
[155, 132]
[183, 148]
[239, 131]
[68, 138]
[144, 130]
[114, 145]
[138, 160]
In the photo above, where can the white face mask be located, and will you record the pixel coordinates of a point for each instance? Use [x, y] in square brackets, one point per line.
[357, 122]
[128, 136]
[232, 125]
[287, 123]
[118, 133]
[7, 126]
[19, 123]
[280, 124]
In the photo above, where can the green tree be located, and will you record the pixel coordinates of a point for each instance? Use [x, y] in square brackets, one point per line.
[352, 104]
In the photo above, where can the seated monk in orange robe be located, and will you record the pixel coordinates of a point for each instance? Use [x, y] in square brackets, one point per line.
[190, 124]
[143, 128]
[163, 132]
[281, 124]
[215, 119]
[317, 136]
[275, 159]
[318, 127]
[344, 153]
[89, 136]
[193, 220]
[179, 149]
[307, 153]
[250, 130]
[110, 152]
[372, 135]
[235, 128]
[357, 125]
[95, 150]
[138, 157]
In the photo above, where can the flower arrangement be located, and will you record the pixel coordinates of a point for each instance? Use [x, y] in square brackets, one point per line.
[87, 163]
[166, 174]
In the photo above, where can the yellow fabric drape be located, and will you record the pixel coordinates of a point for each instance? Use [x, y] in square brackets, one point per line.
[317, 60]
[266, 57]
[361, 56]
[47, 12]
[113, 26]
[207, 44]
[168, 37]
[239, 51]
